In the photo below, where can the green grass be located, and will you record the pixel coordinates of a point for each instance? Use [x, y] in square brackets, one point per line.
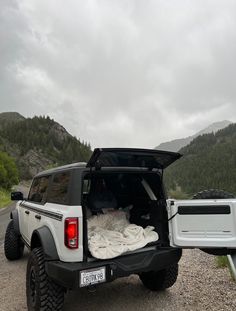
[5, 198]
[222, 262]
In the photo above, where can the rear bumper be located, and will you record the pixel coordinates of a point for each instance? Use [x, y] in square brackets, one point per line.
[68, 274]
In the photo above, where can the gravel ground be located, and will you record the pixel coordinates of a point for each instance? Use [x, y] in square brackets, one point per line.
[200, 286]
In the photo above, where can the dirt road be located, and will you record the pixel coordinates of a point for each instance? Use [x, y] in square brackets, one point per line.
[200, 286]
[5, 213]
[4, 219]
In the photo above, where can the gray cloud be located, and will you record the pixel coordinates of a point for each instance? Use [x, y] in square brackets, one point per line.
[120, 73]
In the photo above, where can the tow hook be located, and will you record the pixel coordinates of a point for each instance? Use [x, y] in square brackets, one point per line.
[92, 288]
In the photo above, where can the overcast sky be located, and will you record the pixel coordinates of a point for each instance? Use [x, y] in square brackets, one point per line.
[120, 73]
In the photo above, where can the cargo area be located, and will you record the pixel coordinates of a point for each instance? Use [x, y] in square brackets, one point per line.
[115, 198]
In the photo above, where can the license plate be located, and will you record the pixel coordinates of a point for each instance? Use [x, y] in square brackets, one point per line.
[92, 276]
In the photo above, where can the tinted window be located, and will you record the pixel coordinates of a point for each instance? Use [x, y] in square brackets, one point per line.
[58, 192]
[130, 157]
[38, 189]
[86, 186]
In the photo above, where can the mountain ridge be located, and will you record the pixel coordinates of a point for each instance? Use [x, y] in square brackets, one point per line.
[176, 144]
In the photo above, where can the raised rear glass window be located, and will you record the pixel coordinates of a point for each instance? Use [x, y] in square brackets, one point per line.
[38, 190]
[58, 192]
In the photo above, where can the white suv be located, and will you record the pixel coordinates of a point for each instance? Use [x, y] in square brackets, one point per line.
[52, 223]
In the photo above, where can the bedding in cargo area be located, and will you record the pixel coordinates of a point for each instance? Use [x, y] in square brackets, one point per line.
[111, 235]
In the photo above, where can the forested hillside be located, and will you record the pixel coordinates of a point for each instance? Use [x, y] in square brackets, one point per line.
[39, 143]
[176, 144]
[209, 161]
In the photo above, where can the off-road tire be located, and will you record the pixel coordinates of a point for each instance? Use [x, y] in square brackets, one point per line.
[213, 194]
[160, 280]
[43, 294]
[13, 246]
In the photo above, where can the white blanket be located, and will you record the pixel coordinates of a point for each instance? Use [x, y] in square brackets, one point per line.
[111, 235]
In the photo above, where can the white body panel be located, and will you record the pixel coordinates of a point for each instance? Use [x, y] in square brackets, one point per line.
[54, 225]
[23, 223]
[202, 230]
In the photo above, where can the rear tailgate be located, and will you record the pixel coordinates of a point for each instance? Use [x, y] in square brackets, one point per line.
[202, 223]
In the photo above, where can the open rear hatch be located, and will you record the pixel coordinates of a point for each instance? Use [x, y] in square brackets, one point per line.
[135, 192]
[131, 157]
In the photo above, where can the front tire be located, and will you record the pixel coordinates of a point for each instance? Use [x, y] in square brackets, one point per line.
[13, 246]
[43, 294]
[160, 280]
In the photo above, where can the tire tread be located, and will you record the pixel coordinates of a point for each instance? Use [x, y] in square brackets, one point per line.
[50, 294]
[13, 246]
[160, 280]
[213, 194]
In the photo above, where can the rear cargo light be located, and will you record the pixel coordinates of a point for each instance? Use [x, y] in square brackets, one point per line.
[71, 233]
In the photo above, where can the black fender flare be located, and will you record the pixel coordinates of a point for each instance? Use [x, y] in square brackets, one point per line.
[15, 218]
[44, 238]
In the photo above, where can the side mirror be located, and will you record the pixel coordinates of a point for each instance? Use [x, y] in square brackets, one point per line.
[17, 196]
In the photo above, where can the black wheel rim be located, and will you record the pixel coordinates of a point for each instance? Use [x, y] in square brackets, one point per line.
[32, 287]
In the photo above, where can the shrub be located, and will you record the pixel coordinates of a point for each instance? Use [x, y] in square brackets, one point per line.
[8, 171]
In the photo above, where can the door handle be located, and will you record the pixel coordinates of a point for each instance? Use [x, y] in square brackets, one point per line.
[37, 217]
[27, 212]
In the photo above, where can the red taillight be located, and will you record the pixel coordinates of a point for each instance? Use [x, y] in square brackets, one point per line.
[71, 232]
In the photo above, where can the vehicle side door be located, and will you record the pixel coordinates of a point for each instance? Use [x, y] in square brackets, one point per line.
[36, 204]
[31, 208]
[25, 210]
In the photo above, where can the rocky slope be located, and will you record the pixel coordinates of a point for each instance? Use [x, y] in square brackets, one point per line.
[38, 143]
